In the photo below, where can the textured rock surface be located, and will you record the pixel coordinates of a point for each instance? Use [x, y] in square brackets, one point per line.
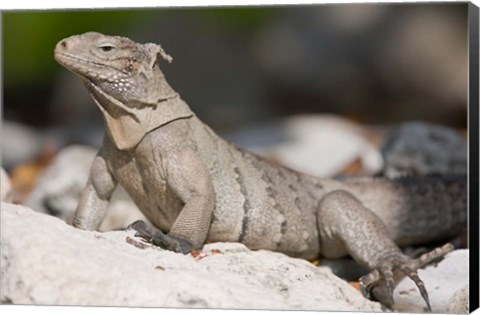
[53, 263]
[445, 283]
[418, 148]
[459, 302]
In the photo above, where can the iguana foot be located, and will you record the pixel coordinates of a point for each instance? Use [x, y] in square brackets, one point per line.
[170, 242]
[390, 269]
[166, 241]
[382, 279]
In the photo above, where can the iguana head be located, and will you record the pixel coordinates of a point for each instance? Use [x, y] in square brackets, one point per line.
[118, 66]
[126, 83]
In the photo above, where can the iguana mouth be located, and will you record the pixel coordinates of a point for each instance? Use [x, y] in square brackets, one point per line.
[73, 61]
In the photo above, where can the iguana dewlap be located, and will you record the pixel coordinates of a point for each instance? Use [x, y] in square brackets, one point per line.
[194, 186]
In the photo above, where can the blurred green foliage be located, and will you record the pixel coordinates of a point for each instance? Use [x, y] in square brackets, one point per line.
[243, 18]
[29, 37]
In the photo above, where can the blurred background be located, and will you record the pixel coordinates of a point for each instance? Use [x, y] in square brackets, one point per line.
[241, 69]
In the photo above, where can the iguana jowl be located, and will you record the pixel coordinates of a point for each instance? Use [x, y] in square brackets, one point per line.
[194, 186]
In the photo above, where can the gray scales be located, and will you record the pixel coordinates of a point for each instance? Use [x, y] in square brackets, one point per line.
[196, 187]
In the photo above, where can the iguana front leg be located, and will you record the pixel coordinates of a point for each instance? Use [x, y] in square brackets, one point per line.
[346, 226]
[95, 197]
[190, 180]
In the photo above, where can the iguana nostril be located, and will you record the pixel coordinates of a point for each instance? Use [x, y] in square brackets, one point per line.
[64, 44]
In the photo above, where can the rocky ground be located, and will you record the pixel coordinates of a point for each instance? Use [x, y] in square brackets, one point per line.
[45, 261]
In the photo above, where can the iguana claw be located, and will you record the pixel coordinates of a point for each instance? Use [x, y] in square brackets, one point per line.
[384, 274]
[142, 230]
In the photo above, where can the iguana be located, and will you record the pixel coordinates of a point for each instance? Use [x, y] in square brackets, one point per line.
[196, 187]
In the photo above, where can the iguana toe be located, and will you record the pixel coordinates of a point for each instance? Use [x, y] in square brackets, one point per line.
[412, 274]
[383, 279]
[170, 242]
[142, 230]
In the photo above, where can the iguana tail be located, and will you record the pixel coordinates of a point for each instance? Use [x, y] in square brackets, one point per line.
[434, 209]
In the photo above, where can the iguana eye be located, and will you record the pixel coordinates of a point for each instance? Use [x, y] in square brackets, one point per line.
[106, 47]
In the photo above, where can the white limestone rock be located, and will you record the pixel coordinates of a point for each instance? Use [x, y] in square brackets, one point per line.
[443, 281]
[459, 302]
[45, 261]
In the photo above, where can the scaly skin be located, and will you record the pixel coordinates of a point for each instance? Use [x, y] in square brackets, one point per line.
[194, 186]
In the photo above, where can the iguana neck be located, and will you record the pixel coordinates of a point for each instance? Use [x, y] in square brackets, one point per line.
[127, 124]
